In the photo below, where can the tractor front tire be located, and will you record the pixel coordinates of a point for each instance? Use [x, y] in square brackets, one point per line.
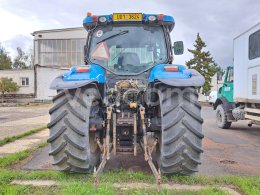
[72, 146]
[221, 118]
[181, 136]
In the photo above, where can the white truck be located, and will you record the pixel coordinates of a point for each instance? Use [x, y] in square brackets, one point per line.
[239, 97]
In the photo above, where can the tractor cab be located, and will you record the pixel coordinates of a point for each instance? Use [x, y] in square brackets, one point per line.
[129, 44]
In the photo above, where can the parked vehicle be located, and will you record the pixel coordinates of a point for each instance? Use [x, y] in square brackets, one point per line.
[213, 97]
[239, 97]
[128, 93]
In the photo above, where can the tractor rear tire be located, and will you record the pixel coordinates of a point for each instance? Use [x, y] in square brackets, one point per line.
[72, 145]
[181, 136]
[221, 118]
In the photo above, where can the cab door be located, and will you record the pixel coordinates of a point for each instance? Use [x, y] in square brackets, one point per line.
[228, 86]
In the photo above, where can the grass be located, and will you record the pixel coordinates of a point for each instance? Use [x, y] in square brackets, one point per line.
[209, 190]
[83, 183]
[13, 138]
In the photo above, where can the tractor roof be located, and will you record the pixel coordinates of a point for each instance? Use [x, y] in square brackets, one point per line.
[128, 18]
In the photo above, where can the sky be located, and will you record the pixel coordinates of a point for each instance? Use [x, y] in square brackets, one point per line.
[217, 21]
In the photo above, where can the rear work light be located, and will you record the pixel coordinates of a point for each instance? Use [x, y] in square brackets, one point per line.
[171, 68]
[83, 69]
[152, 18]
[102, 19]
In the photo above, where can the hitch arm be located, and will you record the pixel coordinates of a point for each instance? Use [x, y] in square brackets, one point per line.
[105, 148]
[149, 149]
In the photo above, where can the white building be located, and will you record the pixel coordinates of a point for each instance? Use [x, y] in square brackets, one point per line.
[55, 51]
[24, 79]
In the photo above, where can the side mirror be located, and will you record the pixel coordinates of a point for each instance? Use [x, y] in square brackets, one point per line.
[178, 47]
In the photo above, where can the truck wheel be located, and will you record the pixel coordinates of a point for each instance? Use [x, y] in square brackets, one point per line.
[181, 136]
[72, 146]
[221, 118]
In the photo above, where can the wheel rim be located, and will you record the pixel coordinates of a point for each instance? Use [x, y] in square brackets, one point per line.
[219, 117]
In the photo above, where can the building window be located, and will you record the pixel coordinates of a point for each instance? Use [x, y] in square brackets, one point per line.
[254, 45]
[25, 81]
[65, 52]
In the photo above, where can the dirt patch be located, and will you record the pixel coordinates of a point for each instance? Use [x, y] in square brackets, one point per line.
[228, 162]
[35, 182]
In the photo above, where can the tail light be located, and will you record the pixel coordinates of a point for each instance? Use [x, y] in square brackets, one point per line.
[171, 68]
[83, 69]
[160, 17]
[94, 18]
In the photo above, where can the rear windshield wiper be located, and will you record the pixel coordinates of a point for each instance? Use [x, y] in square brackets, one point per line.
[115, 35]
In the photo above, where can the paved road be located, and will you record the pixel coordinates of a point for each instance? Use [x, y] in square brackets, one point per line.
[24, 143]
[17, 120]
[233, 151]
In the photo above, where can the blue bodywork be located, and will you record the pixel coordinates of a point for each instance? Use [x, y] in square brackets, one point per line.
[89, 19]
[167, 20]
[181, 78]
[158, 72]
[95, 73]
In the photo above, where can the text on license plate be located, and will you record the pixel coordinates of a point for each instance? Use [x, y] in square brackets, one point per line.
[127, 17]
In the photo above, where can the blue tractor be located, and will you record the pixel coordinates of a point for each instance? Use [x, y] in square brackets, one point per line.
[127, 98]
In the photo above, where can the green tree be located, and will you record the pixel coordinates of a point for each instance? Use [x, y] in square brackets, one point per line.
[203, 63]
[5, 59]
[7, 85]
[22, 60]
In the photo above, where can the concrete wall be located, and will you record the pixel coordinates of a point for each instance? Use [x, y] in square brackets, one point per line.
[45, 75]
[17, 76]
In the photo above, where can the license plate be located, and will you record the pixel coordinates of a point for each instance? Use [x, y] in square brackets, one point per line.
[127, 17]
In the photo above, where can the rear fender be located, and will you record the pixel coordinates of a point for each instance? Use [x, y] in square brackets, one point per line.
[73, 79]
[181, 78]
